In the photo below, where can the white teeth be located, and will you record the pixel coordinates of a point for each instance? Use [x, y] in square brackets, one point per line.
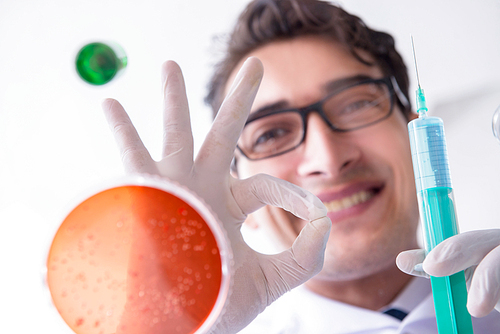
[349, 201]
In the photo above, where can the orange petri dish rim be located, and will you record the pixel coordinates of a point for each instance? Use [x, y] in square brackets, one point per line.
[74, 282]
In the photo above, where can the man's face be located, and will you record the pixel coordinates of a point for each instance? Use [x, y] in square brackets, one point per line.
[364, 177]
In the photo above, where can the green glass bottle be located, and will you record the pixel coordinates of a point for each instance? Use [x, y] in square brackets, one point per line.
[98, 63]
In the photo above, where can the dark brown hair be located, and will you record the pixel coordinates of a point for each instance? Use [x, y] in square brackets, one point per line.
[265, 21]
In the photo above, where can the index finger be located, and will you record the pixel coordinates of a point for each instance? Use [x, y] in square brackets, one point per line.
[218, 148]
[135, 156]
[177, 136]
[461, 252]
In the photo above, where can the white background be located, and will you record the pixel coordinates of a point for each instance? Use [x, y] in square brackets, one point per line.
[55, 144]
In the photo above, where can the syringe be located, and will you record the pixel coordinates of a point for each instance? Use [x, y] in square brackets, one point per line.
[437, 212]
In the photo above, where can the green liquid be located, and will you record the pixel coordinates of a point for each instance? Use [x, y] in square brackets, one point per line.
[449, 292]
[98, 63]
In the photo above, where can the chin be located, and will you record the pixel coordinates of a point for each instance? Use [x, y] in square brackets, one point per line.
[350, 267]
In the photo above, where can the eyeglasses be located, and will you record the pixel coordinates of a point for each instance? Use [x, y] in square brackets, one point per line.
[274, 132]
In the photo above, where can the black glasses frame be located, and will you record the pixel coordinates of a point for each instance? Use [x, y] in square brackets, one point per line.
[390, 82]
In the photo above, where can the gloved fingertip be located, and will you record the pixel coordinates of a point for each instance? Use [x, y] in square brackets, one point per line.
[318, 210]
[309, 247]
[322, 225]
[171, 72]
[256, 67]
[168, 66]
[316, 233]
[410, 262]
[436, 267]
[315, 207]
[248, 77]
[484, 294]
[476, 308]
[107, 103]
[404, 263]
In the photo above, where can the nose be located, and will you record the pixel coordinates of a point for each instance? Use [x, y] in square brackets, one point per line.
[326, 153]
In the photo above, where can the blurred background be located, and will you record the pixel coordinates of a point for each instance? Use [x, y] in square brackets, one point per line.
[55, 143]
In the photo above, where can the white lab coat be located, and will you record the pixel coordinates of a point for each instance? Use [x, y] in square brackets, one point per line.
[304, 312]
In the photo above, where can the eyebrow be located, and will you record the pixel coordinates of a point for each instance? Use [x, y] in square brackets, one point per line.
[268, 109]
[333, 86]
[329, 88]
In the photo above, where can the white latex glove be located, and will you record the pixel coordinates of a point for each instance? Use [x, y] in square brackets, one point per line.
[476, 252]
[258, 279]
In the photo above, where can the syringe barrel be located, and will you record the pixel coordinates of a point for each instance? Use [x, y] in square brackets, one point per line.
[439, 219]
[429, 153]
[432, 180]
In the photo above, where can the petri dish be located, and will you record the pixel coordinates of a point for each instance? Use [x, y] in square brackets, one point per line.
[140, 255]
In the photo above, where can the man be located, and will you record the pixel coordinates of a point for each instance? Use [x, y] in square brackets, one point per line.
[330, 116]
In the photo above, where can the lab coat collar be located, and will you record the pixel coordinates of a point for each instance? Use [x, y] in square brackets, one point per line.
[352, 319]
[412, 296]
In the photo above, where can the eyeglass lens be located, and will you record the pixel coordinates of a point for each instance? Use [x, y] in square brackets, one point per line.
[349, 109]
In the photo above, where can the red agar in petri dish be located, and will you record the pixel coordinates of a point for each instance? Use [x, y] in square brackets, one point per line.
[138, 259]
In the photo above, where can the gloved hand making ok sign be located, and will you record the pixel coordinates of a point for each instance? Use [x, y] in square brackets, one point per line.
[258, 279]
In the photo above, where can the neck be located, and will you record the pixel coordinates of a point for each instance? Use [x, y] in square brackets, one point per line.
[372, 292]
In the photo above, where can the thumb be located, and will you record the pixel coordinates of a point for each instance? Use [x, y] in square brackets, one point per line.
[309, 247]
[410, 262]
[298, 264]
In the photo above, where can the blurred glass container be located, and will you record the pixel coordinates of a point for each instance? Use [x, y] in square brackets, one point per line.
[495, 123]
[98, 63]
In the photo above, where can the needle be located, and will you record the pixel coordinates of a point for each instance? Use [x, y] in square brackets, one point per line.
[421, 104]
[415, 60]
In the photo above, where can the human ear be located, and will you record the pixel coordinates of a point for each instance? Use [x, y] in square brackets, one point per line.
[412, 115]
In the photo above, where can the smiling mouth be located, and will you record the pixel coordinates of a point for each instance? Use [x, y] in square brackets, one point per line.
[350, 201]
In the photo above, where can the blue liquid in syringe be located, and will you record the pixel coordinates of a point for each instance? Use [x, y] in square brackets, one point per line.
[438, 216]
